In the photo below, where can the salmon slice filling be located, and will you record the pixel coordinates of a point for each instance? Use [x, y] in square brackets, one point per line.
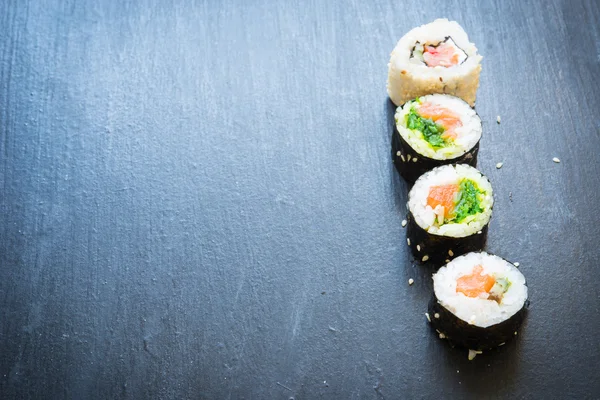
[443, 54]
[475, 284]
[437, 124]
[443, 197]
[441, 116]
[455, 202]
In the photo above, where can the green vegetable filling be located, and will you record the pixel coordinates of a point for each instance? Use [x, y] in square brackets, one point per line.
[431, 131]
[468, 200]
[503, 284]
[500, 287]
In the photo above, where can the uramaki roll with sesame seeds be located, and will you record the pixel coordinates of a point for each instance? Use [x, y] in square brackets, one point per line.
[434, 130]
[434, 58]
[479, 301]
[449, 210]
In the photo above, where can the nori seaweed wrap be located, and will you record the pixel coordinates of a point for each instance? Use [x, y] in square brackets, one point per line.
[432, 131]
[479, 301]
[449, 209]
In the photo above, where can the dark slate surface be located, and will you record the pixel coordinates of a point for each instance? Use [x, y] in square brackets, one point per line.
[198, 201]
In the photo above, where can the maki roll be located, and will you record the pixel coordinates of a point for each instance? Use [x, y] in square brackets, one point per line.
[434, 130]
[434, 58]
[449, 209]
[479, 301]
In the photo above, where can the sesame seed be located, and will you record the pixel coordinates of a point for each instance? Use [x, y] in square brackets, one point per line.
[556, 160]
[498, 119]
[479, 232]
[450, 253]
[398, 153]
[427, 315]
[408, 157]
[473, 354]
[516, 264]
[408, 241]
[402, 157]
[447, 261]
[515, 333]
[411, 281]
[442, 336]
[425, 258]
[436, 315]
[499, 165]
[404, 222]
[502, 344]
[415, 159]
[418, 248]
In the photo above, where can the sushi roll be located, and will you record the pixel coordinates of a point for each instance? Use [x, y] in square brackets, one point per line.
[479, 301]
[449, 209]
[434, 130]
[434, 58]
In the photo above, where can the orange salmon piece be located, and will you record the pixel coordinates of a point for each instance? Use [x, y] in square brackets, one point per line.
[435, 112]
[450, 125]
[441, 116]
[442, 195]
[475, 284]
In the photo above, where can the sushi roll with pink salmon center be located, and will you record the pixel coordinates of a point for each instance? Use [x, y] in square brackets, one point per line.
[434, 58]
[479, 301]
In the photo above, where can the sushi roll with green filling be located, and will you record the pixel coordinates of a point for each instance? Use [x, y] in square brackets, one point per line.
[479, 301]
[449, 209]
[434, 130]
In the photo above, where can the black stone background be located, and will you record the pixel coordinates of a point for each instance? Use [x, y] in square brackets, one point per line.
[197, 200]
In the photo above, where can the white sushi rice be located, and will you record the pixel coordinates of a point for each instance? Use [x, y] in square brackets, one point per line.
[480, 311]
[408, 79]
[467, 135]
[425, 216]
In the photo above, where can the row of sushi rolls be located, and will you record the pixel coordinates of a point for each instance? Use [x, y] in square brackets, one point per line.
[479, 299]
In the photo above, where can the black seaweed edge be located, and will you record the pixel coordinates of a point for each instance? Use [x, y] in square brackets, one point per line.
[437, 247]
[411, 171]
[462, 334]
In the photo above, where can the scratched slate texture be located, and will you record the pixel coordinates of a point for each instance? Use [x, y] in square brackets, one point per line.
[198, 201]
